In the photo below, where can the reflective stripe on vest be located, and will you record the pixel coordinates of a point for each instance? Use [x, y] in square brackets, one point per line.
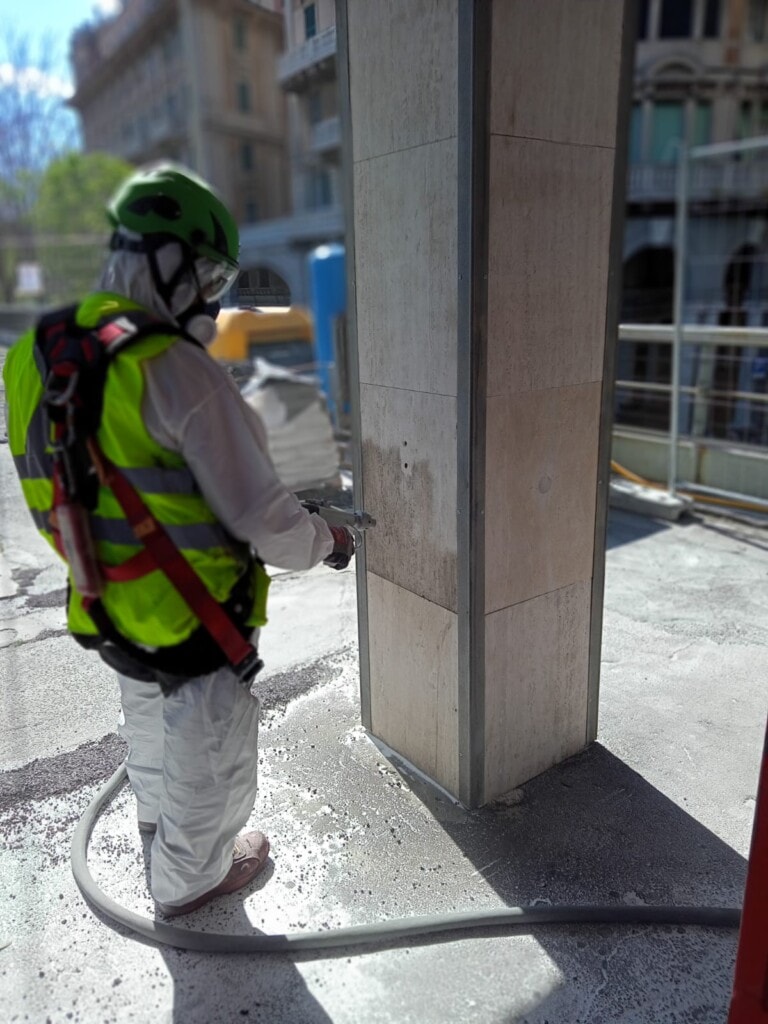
[37, 464]
[197, 536]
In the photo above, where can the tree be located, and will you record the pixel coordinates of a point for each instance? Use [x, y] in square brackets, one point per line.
[70, 220]
[35, 126]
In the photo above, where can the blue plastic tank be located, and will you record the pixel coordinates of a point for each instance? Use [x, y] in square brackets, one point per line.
[328, 287]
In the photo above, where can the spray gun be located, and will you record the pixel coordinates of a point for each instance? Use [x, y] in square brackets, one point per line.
[355, 519]
[334, 516]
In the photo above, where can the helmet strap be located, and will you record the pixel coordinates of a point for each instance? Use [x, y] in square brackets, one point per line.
[149, 246]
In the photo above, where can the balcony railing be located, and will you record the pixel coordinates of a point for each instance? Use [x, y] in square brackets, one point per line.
[720, 436]
[326, 135]
[747, 180]
[298, 61]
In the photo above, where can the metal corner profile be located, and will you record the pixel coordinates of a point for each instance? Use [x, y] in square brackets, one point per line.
[613, 300]
[473, 140]
[345, 113]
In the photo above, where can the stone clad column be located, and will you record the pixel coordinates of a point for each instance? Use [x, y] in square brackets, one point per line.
[485, 197]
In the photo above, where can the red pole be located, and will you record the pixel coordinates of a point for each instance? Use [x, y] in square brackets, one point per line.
[749, 1004]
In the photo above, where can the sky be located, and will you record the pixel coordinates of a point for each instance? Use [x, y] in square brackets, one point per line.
[36, 19]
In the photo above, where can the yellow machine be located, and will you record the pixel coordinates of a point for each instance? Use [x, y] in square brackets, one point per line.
[283, 336]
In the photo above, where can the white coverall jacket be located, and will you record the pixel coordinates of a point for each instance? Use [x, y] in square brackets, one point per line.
[192, 755]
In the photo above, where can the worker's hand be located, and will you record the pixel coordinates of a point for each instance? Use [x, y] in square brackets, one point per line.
[343, 547]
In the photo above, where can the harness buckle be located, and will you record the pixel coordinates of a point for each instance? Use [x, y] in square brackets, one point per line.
[144, 528]
[247, 669]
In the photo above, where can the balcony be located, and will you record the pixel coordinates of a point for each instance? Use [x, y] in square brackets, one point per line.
[316, 55]
[746, 181]
[325, 135]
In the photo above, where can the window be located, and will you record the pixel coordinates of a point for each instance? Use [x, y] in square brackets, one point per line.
[753, 119]
[318, 189]
[642, 15]
[745, 119]
[243, 97]
[315, 106]
[238, 33]
[712, 19]
[666, 131]
[636, 134]
[676, 19]
[702, 124]
[756, 20]
[246, 156]
[310, 21]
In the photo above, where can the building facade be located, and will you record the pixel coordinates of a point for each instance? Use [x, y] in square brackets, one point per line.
[701, 77]
[194, 81]
[307, 73]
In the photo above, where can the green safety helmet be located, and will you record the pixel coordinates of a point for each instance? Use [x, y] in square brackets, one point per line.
[165, 202]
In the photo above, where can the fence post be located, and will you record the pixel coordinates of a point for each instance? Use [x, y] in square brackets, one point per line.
[681, 218]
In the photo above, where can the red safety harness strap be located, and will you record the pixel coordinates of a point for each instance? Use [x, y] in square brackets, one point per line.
[159, 547]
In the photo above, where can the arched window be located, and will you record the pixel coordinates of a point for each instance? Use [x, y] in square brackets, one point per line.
[260, 286]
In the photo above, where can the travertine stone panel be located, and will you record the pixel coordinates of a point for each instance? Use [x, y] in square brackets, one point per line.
[414, 679]
[536, 661]
[402, 73]
[548, 263]
[555, 68]
[405, 248]
[409, 454]
[541, 482]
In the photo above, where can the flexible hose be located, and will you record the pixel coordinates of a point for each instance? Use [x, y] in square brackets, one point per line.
[366, 935]
[708, 499]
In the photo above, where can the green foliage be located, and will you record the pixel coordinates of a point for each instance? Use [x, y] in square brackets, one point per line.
[70, 220]
[74, 191]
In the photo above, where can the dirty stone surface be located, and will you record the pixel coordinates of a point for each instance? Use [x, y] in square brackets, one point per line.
[659, 810]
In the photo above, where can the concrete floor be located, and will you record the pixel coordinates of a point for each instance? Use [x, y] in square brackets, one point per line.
[659, 810]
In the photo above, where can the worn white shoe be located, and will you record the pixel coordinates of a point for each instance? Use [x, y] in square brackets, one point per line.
[248, 859]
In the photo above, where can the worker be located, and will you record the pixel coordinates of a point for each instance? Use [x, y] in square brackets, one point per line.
[144, 467]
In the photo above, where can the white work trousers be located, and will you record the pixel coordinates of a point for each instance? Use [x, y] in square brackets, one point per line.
[192, 760]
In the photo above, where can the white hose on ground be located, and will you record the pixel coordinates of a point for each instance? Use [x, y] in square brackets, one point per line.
[368, 934]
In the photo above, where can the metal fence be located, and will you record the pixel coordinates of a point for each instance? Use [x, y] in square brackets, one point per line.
[702, 380]
[722, 391]
[46, 269]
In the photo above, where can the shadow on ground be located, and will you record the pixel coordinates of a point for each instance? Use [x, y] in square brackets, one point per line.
[592, 830]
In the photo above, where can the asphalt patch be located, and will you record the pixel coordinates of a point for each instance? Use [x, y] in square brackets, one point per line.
[277, 691]
[97, 760]
[52, 599]
[53, 776]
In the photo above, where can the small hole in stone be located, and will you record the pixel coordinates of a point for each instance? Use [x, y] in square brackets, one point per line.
[406, 465]
[405, 443]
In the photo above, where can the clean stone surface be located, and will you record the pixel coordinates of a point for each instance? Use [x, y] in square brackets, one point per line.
[527, 99]
[411, 100]
[547, 263]
[535, 689]
[414, 679]
[540, 487]
[406, 221]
